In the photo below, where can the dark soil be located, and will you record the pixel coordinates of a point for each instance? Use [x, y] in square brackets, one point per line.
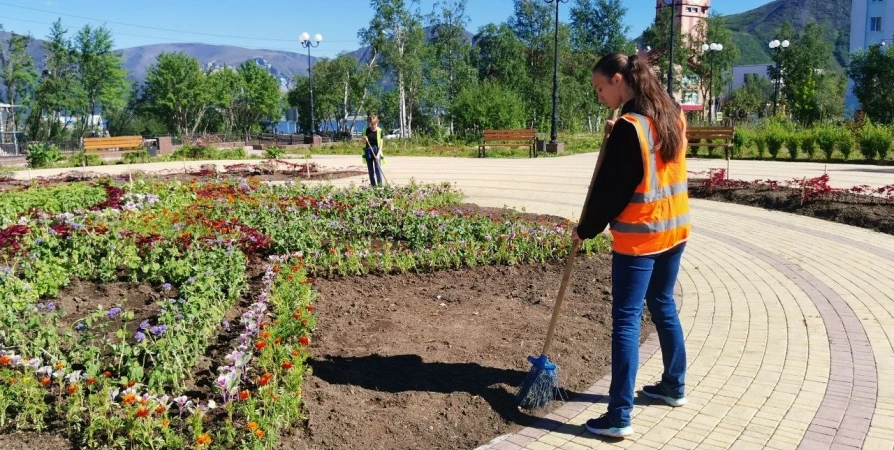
[434, 360]
[861, 212]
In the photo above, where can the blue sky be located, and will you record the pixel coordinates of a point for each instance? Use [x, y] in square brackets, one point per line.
[271, 24]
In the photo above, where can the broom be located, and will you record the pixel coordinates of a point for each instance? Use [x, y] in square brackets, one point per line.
[378, 164]
[538, 388]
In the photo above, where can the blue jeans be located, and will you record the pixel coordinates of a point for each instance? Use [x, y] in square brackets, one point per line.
[634, 278]
[375, 171]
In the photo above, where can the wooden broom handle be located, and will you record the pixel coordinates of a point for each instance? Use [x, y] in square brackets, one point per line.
[574, 249]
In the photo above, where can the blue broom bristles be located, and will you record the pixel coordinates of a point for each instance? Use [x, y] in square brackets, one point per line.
[540, 385]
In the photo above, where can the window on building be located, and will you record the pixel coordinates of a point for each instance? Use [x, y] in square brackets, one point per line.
[690, 97]
[875, 24]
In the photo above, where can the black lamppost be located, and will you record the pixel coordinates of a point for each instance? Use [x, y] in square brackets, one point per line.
[670, 67]
[712, 47]
[306, 43]
[554, 134]
[777, 46]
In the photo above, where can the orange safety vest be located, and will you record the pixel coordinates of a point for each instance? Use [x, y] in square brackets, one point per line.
[657, 217]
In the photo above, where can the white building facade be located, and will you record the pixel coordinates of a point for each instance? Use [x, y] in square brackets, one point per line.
[872, 22]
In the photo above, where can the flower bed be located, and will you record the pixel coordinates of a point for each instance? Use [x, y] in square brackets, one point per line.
[110, 378]
[862, 206]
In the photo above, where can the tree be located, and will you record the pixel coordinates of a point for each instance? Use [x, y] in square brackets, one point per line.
[177, 92]
[57, 90]
[752, 97]
[449, 65]
[299, 97]
[257, 96]
[396, 33]
[657, 36]
[19, 75]
[533, 24]
[100, 73]
[500, 56]
[486, 105]
[713, 69]
[224, 86]
[597, 27]
[872, 71]
[802, 65]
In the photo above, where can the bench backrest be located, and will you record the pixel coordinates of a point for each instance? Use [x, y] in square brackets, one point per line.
[101, 143]
[509, 135]
[710, 133]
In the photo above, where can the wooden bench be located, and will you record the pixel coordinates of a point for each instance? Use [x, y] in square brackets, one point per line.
[121, 144]
[508, 138]
[723, 134]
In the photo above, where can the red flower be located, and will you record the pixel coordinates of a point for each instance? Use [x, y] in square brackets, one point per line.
[160, 409]
[142, 412]
[287, 365]
[72, 389]
[129, 398]
[277, 341]
[304, 340]
[310, 307]
[263, 380]
[107, 374]
[5, 360]
[260, 345]
[91, 381]
[244, 395]
[45, 381]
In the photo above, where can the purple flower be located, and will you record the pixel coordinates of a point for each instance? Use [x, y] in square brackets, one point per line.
[114, 312]
[81, 326]
[144, 324]
[226, 325]
[166, 286]
[51, 307]
[158, 330]
[139, 336]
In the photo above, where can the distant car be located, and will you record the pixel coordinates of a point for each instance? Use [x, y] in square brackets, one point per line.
[393, 134]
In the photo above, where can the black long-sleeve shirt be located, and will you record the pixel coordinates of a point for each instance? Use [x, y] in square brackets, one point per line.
[621, 172]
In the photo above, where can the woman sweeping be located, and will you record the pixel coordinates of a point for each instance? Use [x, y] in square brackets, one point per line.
[641, 193]
[372, 153]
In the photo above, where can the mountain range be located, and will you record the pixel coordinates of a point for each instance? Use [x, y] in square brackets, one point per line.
[752, 30]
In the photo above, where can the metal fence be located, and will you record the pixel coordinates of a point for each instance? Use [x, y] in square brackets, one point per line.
[10, 145]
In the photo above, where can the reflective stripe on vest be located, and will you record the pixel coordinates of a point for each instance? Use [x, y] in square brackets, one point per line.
[657, 217]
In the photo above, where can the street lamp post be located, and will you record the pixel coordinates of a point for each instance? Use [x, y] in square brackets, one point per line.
[670, 67]
[777, 46]
[712, 47]
[306, 43]
[554, 145]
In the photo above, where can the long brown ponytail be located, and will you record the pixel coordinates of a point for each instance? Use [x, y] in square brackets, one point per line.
[650, 97]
